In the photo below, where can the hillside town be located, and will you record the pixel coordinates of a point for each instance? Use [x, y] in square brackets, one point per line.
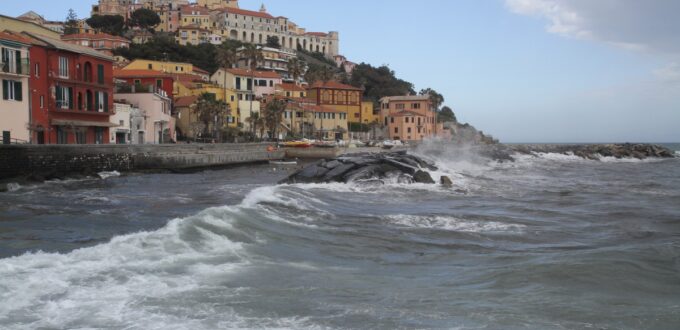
[270, 79]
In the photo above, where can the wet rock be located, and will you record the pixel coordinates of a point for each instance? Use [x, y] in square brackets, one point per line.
[332, 164]
[338, 172]
[363, 173]
[422, 177]
[445, 181]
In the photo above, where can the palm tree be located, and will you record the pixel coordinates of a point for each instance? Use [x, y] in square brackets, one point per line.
[253, 120]
[208, 110]
[253, 55]
[226, 57]
[273, 112]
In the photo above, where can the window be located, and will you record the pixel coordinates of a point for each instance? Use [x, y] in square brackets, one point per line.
[415, 105]
[271, 83]
[99, 135]
[11, 90]
[159, 83]
[63, 67]
[396, 130]
[100, 73]
[232, 98]
[408, 130]
[64, 96]
[62, 135]
[101, 100]
[298, 114]
[37, 69]
[80, 137]
[42, 101]
[399, 106]
[392, 120]
[11, 60]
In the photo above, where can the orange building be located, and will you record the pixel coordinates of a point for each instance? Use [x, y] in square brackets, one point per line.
[408, 118]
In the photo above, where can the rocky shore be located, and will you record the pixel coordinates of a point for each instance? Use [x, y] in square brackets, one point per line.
[399, 166]
[504, 152]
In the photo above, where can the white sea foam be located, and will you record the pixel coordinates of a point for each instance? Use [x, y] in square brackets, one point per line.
[453, 224]
[13, 186]
[109, 174]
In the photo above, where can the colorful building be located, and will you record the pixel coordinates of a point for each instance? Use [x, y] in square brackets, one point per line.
[290, 90]
[14, 75]
[192, 34]
[196, 16]
[101, 41]
[157, 108]
[145, 78]
[248, 84]
[408, 118]
[17, 25]
[71, 92]
[342, 98]
[167, 67]
[273, 60]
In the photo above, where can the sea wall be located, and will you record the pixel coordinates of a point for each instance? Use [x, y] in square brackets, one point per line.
[44, 161]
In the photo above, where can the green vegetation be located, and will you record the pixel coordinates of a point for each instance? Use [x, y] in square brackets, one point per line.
[145, 19]
[163, 47]
[273, 42]
[446, 114]
[111, 24]
[379, 82]
[71, 22]
[211, 114]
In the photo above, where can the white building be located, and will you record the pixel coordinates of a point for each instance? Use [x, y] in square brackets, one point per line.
[159, 124]
[121, 133]
[14, 103]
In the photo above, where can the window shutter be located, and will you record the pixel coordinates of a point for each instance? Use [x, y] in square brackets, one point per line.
[5, 89]
[17, 91]
[106, 102]
[96, 101]
[59, 96]
[70, 98]
[100, 73]
[17, 59]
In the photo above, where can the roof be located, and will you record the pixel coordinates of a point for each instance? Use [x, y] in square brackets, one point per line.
[248, 12]
[405, 98]
[65, 46]
[119, 73]
[185, 101]
[318, 34]
[290, 87]
[199, 70]
[257, 74]
[190, 9]
[90, 36]
[407, 113]
[332, 84]
[193, 27]
[8, 35]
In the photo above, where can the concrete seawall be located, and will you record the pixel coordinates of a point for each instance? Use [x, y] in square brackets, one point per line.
[46, 160]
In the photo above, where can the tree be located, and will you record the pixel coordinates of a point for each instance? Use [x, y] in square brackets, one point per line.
[295, 68]
[379, 82]
[436, 98]
[71, 22]
[446, 114]
[226, 57]
[210, 111]
[164, 47]
[273, 114]
[145, 19]
[111, 24]
[273, 42]
[253, 55]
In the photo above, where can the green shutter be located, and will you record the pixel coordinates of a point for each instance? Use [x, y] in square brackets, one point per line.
[5, 89]
[106, 102]
[96, 101]
[17, 59]
[70, 98]
[59, 95]
[100, 73]
[17, 91]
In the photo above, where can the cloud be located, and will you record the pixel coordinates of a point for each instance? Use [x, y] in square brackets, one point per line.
[641, 25]
[669, 73]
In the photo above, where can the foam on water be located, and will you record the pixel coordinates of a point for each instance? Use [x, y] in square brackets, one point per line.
[108, 174]
[453, 224]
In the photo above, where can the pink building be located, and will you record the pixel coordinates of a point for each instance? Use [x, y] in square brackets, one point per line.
[408, 118]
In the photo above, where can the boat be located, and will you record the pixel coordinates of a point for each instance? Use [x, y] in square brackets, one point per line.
[283, 162]
[326, 144]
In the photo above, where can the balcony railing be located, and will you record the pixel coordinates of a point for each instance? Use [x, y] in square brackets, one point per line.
[21, 68]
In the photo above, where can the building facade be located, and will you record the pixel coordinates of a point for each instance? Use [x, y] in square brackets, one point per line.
[71, 93]
[145, 79]
[157, 108]
[121, 117]
[14, 75]
[408, 118]
[101, 41]
[247, 84]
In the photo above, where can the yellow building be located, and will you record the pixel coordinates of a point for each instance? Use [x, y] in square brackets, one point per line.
[16, 25]
[195, 15]
[290, 90]
[305, 119]
[363, 115]
[192, 35]
[186, 86]
[168, 67]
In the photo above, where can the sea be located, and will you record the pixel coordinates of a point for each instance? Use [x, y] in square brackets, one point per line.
[549, 241]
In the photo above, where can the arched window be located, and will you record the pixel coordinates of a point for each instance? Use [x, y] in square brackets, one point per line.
[87, 76]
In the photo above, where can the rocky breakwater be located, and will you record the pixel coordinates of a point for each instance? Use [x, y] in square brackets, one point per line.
[372, 167]
[597, 151]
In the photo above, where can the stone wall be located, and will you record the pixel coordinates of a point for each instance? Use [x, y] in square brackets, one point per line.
[47, 160]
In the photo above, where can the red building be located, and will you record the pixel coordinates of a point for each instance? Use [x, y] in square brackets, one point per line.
[145, 78]
[71, 92]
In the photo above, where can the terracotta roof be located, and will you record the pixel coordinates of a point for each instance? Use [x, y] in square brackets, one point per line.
[69, 47]
[90, 36]
[405, 98]
[332, 84]
[199, 70]
[118, 73]
[407, 113]
[258, 74]
[188, 10]
[248, 12]
[8, 35]
[290, 87]
[185, 101]
[318, 34]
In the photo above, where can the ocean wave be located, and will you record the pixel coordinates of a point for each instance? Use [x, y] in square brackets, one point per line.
[453, 224]
[108, 174]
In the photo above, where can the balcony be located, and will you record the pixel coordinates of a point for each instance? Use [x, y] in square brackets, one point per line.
[22, 68]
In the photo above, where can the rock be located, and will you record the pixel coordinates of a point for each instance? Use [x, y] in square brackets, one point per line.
[332, 164]
[445, 181]
[402, 166]
[311, 173]
[422, 177]
[363, 173]
[338, 172]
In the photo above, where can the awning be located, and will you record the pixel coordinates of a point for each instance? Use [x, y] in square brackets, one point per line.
[82, 123]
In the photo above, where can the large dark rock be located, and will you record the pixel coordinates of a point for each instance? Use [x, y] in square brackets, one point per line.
[372, 167]
[445, 181]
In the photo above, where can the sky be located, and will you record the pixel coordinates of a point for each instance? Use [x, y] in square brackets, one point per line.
[520, 70]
